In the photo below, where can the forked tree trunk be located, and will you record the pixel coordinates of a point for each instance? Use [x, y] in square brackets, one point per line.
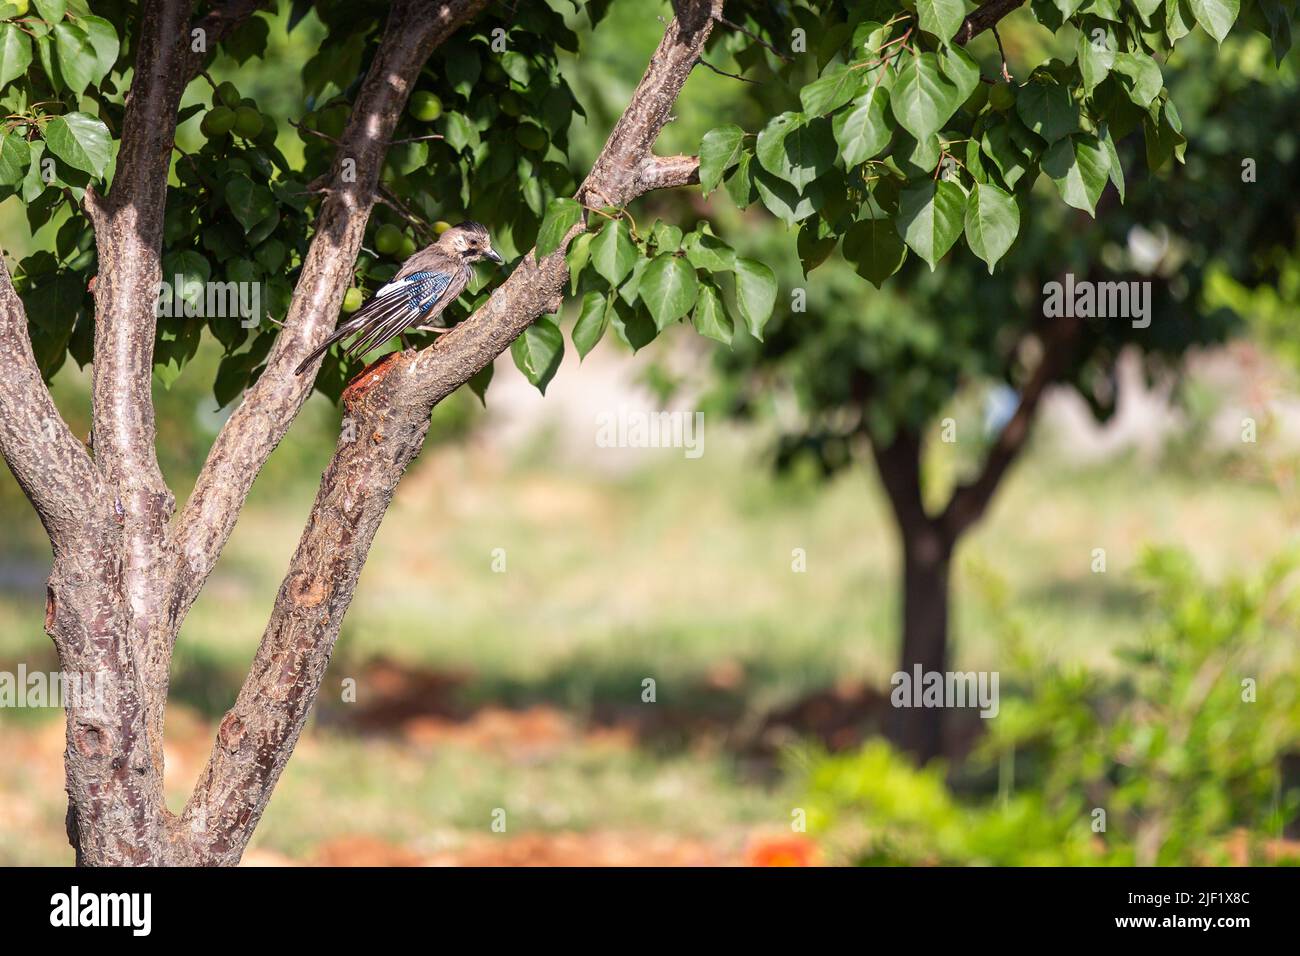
[928, 541]
[124, 576]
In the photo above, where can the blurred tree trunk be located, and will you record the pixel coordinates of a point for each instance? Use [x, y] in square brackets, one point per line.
[927, 552]
[929, 540]
[926, 558]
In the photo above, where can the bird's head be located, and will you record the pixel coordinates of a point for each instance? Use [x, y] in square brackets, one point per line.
[470, 241]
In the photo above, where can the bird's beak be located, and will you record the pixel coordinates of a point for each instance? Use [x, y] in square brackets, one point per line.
[494, 255]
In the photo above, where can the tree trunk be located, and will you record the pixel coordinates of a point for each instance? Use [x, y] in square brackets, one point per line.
[926, 559]
[927, 550]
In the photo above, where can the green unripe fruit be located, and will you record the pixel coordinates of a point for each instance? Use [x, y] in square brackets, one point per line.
[217, 121]
[1002, 97]
[512, 103]
[248, 122]
[441, 226]
[22, 6]
[228, 95]
[331, 120]
[407, 248]
[530, 136]
[269, 132]
[978, 97]
[388, 239]
[425, 106]
[352, 300]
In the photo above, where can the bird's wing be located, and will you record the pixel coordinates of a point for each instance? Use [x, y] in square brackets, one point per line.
[396, 307]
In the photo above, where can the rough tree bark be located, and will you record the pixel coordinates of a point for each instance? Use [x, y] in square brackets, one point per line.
[123, 577]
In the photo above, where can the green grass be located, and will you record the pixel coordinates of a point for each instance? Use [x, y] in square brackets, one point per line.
[677, 571]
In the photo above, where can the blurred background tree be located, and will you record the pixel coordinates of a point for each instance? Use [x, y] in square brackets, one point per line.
[868, 374]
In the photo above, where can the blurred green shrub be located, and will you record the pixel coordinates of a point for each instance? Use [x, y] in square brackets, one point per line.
[1185, 745]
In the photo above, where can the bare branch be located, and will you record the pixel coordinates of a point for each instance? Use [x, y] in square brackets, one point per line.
[252, 432]
[51, 465]
[753, 36]
[129, 231]
[664, 172]
[984, 17]
[389, 407]
[970, 500]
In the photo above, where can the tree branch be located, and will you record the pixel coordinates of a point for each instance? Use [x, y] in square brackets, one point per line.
[129, 231]
[984, 17]
[899, 466]
[970, 500]
[267, 409]
[50, 464]
[389, 407]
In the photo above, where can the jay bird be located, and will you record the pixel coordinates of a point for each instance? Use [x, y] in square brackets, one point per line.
[426, 284]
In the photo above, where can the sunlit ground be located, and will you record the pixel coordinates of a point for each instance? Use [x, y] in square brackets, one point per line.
[520, 690]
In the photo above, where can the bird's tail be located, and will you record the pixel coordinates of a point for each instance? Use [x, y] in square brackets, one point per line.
[342, 332]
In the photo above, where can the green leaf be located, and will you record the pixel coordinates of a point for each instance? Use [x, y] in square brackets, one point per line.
[613, 253]
[15, 159]
[930, 218]
[103, 37]
[632, 324]
[668, 288]
[463, 67]
[719, 151]
[813, 248]
[81, 141]
[251, 203]
[192, 270]
[832, 90]
[992, 221]
[1216, 16]
[1080, 166]
[706, 251]
[592, 322]
[1164, 139]
[863, 131]
[1178, 20]
[1048, 110]
[1096, 56]
[480, 380]
[710, 318]
[796, 149]
[77, 57]
[923, 98]
[33, 183]
[1116, 170]
[538, 352]
[1142, 77]
[15, 53]
[51, 11]
[940, 18]
[782, 199]
[875, 249]
[577, 257]
[561, 216]
[999, 146]
[755, 294]
[962, 68]
[740, 184]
